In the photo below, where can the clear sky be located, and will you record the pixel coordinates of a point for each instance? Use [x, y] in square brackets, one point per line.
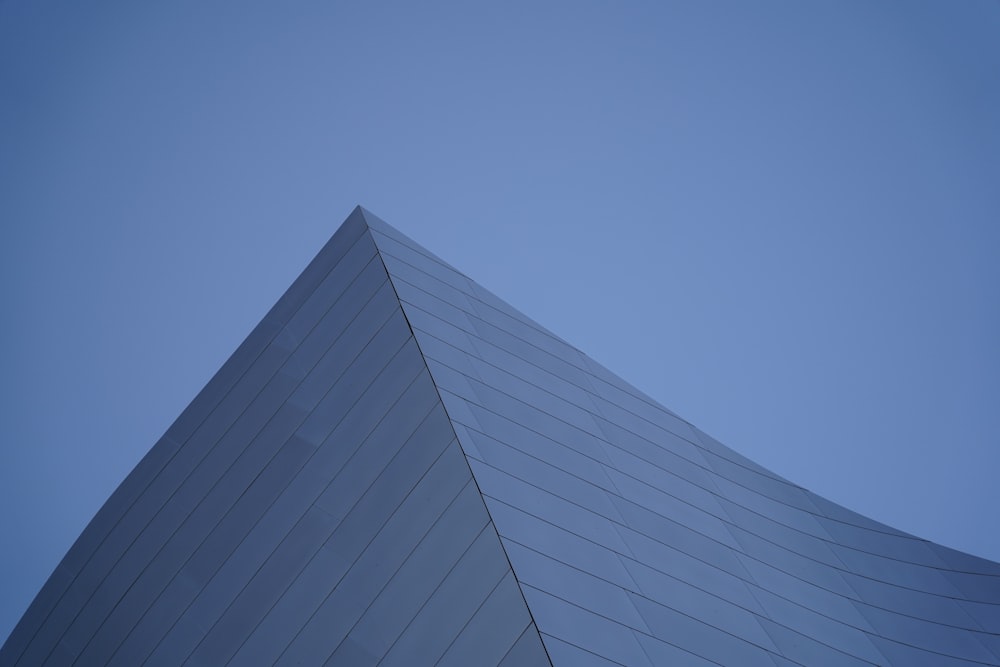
[779, 218]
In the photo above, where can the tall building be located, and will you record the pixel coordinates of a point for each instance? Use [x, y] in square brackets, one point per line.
[398, 468]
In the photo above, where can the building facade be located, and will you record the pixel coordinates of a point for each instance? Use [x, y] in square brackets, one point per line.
[398, 468]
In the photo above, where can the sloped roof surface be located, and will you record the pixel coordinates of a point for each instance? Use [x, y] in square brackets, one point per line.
[397, 467]
[638, 538]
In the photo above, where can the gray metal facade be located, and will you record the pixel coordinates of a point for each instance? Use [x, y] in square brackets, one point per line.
[398, 468]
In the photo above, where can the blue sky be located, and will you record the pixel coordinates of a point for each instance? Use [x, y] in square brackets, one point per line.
[780, 219]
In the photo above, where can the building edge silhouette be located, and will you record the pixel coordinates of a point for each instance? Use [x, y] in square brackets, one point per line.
[397, 467]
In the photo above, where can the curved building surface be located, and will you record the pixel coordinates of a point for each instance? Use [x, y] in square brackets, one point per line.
[398, 468]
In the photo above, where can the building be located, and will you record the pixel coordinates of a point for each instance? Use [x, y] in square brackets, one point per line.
[398, 468]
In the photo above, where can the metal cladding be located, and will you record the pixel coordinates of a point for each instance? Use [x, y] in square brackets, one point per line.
[398, 468]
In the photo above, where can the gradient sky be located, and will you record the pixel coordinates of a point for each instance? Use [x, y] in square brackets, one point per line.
[780, 218]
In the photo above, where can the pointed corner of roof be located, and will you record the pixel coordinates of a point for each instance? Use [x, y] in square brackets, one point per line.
[357, 214]
[354, 221]
[373, 221]
[364, 220]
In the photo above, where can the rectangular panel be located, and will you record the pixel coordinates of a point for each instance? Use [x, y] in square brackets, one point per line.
[389, 344]
[928, 635]
[897, 572]
[445, 353]
[976, 587]
[732, 457]
[918, 604]
[986, 615]
[274, 525]
[672, 508]
[584, 629]
[423, 321]
[492, 631]
[794, 564]
[910, 549]
[244, 611]
[451, 380]
[784, 585]
[688, 596]
[333, 322]
[532, 353]
[376, 319]
[206, 548]
[376, 561]
[807, 651]
[678, 537]
[411, 294]
[544, 475]
[422, 419]
[538, 396]
[666, 564]
[965, 562]
[395, 244]
[665, 480]
[334, 285]
[533, 335]
[700, 638]
[681, 443]
[143, 638]
[524, 439]
[424, 570]
[495, 357]
[529, 531]
[818, 627]
[459, 410]
[775, 510]
[754, 477]
[844, 515]
[419, 274]
[802, 543]
[548, 507]
[455, 601]
[580, 435]
[573, 585]
[489, 299]
[614, 389]
[669, 452]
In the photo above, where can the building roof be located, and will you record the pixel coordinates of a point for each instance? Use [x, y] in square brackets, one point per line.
[397, 467]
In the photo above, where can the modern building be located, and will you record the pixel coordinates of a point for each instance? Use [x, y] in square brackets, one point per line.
[398, 468]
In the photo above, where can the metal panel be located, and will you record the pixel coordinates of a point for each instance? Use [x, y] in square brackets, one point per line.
[349, 487]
